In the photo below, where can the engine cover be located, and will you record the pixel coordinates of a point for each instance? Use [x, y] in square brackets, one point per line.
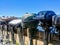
[28, 20]
[45, 17]
[56, 20]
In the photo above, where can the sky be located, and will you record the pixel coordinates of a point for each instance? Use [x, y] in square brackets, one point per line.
[20, 7]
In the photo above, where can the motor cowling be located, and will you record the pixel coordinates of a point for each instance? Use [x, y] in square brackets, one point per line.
[56, 21]
[28, 20]
[45, 17]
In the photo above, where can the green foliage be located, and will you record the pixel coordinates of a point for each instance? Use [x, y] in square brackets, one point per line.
[17, 43]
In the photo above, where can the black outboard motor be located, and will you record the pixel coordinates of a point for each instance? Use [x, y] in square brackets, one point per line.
[30, 24]
[28, 21]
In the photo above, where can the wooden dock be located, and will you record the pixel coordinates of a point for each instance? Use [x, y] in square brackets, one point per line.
[38, 38]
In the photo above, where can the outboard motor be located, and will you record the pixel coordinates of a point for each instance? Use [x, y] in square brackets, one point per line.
[45, 17]
[30, 24]
[16, 23]
[28, 21]
[56, 23]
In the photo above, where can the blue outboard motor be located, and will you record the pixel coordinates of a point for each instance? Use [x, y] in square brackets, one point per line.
[56, 23]
[45, 17]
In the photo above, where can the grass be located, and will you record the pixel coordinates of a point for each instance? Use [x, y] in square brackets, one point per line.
[17, 43]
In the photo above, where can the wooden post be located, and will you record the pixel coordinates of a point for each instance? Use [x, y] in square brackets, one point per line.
[7, 36]
[46, 33]
[0, 29]
[15, 37]
[2, 33]
[51, 37]
[20, 33]
[12, 32]
[9, 33]
[30, 37]
[59, 34]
